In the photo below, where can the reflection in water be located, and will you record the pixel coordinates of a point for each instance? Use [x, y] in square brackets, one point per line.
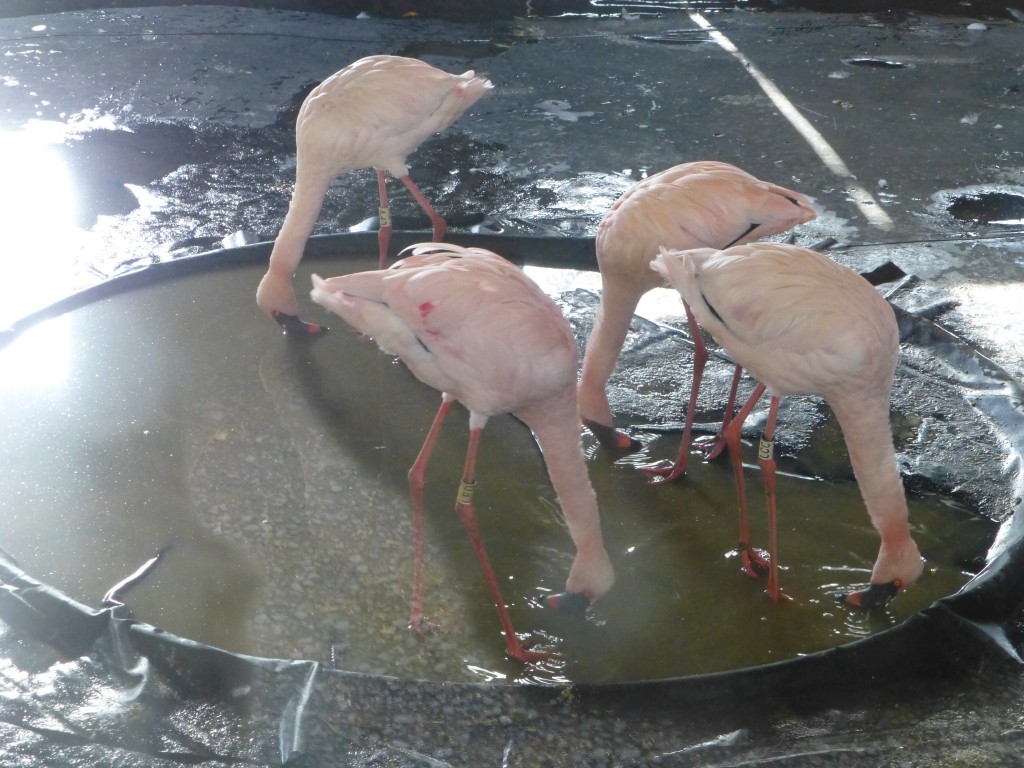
[277, 470]
[94, 476]
[42, 358]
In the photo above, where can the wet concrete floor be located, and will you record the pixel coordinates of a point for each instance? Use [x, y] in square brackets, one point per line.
[136, 136]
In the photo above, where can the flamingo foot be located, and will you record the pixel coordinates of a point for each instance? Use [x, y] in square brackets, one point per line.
[524, 653]
[611, 439]
[874, 598]
[710, 446]
[776, 595]
[663, 472]
[421, 625]
[753, 561]
[293, 325]
[567, 603]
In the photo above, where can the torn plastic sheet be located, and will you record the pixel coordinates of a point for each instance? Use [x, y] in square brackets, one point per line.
[167, 698]
[130, 693]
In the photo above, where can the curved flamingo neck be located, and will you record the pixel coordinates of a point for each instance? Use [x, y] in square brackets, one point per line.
[307, 199]
[868, 435]
[611, 325]
[555, 424]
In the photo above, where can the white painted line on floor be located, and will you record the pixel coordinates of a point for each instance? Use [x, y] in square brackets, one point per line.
[863, 199]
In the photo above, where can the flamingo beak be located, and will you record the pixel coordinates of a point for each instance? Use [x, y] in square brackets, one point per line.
[568, 603]
[293, 325]
[874, 598]
[611, 439]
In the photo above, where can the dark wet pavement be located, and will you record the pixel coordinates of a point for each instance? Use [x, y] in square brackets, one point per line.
[136, 136]
[583, 109]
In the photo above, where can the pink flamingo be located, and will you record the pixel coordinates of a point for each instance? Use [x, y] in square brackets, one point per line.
[691, 205]
[373, 113]
[473, 326]
[802, 324]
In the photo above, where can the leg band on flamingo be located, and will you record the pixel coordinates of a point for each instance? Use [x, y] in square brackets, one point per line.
[465, 494]
[384, 227]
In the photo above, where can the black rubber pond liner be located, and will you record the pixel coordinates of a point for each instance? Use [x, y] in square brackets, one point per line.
[569, 253]
[288, 711]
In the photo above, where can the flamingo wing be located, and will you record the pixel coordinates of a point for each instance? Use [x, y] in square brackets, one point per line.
[833, 330]
[693, 205]
[378, 110]
[465, 321]
[489, 328]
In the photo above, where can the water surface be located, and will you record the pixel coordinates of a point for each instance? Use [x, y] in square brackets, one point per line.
[177, 416]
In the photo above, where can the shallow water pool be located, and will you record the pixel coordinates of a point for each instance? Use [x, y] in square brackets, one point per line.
[272, 472]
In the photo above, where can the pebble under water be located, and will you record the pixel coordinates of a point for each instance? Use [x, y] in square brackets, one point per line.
[274, 471]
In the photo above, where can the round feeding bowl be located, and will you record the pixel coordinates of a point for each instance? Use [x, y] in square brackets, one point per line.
[160, 413]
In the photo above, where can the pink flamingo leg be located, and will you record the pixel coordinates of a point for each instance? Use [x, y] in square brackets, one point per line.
[611, 326]
[417, 621]
[712, 447]
[435, 218]
[731, 402]
[752, 560]
[467, 513]
[385, 228]
[700, 359]
[766, 460]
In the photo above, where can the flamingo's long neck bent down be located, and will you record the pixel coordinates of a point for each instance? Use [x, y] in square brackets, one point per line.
[558, 434]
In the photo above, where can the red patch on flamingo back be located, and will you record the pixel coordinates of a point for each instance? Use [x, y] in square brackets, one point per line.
[426, 308]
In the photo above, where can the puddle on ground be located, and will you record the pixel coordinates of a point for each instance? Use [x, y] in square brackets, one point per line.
[871, 61]
[175, 415]
[988, 207]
